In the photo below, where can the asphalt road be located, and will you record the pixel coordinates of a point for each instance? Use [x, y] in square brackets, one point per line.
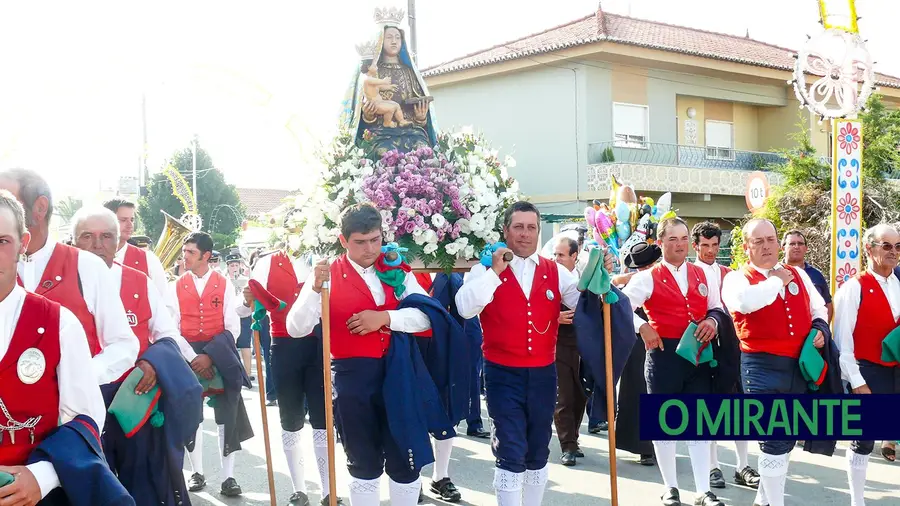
[813, 479]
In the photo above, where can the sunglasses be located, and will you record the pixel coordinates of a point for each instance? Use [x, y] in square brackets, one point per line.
[886, 246]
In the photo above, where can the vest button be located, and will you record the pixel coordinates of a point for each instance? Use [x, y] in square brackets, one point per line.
[201, 304]
[529, 304]
[529, 313]
[792, 333]
[529, 339]
[529, 348]
[529, 323]
[40, 330]
[135, 296]
[789, 317]
[790, 325]
[59, 278]
[787, 309]
[529, 331]
[279, 264]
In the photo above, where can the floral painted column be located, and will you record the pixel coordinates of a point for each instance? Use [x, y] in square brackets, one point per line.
[846, 195]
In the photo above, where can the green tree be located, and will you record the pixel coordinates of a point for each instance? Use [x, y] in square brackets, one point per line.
[214, 195]
[803, 201]
[67, 208]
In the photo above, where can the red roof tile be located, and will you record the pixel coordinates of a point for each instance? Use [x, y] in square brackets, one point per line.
[603, 26]
[260, 200]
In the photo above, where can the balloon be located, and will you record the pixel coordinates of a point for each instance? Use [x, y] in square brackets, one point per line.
[623, 212]
[614, 190]
[663, 205]
[626, 194]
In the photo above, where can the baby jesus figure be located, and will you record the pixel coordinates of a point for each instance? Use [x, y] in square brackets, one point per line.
[389, 110]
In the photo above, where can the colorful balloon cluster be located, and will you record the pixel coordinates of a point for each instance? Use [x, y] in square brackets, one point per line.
[626, 220]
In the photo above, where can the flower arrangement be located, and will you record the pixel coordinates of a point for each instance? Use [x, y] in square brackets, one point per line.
[444, 204]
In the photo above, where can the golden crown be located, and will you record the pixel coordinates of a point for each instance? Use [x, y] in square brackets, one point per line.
[368, 49]
[389, 16]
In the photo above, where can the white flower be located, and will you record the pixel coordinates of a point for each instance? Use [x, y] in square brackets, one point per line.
[477, 223]
[389, 236]
[493, 236]
[467, 130]
[430, 236]
[510, 162]
[464, 226]
[430, 248]
[438, 220]
[469, 252]
[411, 212]
[452, 248]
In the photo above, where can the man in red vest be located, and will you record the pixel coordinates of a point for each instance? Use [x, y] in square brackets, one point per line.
[132, 256]
[875, 294]
[43, 383]
[297, 369]
[706, 237]
[363, 313]
[674, 293]
[519, 306]
[774, 308]
[205, 305]
[77, 282]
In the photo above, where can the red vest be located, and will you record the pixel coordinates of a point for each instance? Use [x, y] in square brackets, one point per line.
[350, 295]
[668, 311]
[283, 284]
[779, 328]
[425, 281]
[874, 321]
[136, 258]
[37, 329]
[133, 293]
[60, 283]
[520, 332]
[202, 316]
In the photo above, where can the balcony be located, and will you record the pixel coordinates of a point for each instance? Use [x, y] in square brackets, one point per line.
[674, 155]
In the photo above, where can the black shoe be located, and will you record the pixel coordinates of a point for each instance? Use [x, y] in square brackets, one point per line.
[479, 433]
[578, 453]
[716, 480]
[446, 490]
[230, 488]
[647, 459]
[567, 459]
[325, 502]
[594, 429]
[299, 498]
[196, 483]
[272, 403]
[671, 498]
[708, 499]
[747, 477]
[600, 427]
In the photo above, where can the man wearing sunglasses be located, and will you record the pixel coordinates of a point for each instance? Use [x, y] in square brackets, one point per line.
[875, 294]
[795, 248]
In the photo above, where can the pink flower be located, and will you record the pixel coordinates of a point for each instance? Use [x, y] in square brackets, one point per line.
[844, 274]
[410, 227]
[849, 138]
[848, 209]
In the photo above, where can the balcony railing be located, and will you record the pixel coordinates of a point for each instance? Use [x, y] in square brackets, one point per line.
[701, 157]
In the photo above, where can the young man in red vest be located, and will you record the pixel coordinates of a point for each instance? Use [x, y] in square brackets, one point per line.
[673, 294]
[206, 306]
[132, 256]
[77, 282]
[42, 376]
[875, 294]
[519, 306]
[775, 307]
[363, 314]
[706, 237]
[297, 369]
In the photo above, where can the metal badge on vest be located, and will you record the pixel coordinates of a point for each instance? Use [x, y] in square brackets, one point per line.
[133, 293]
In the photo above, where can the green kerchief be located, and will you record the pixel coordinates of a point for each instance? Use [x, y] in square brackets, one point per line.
[132, 411]
[6, 479]
[393, 278]
[259, 312]
[596, 278]
[692, 350]
[812, 365]
[890, 347]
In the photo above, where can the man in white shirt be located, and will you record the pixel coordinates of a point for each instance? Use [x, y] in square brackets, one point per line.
[77, 282]
[707, 237]
[876, 295]
[675, 293]
[137, 258]
[46, 337]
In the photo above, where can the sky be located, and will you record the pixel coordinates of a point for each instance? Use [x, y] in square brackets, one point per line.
[260, 82]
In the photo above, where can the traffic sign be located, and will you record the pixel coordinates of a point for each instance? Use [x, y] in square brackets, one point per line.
[757, 191]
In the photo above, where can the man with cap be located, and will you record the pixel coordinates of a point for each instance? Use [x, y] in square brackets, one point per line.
[673, 294]
[706, 237]
[134, 256]
[875, 294]
[775, 307]
[76, 281]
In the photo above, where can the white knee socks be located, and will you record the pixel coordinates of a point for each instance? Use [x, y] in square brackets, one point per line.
[742, 450]
[773, 474]
[665, 458]
[714, 455]
[227, 462]
[442, 449]
[196, 456]
[856, 474]
[365, 492]
[404, 494]
[699, 452]
[535, 482]
[508, 487]
[320, 446]
[290, 441]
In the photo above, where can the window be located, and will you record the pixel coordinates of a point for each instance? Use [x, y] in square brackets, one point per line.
[630, 125]
[719, 140]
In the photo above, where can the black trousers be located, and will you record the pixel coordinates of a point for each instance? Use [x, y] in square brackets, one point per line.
[881, 380]
[299, 381]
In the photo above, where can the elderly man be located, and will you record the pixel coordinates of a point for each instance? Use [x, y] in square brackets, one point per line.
[875, 294]
[795, 249]
[137, 258]
[774, 307]
[77, 282]
[674, 293]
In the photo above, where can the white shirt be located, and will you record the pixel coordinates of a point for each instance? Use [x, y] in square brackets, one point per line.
[739, 296]
[154, 270]
[261, 274]
[161, 323]
[118, 345]
[229, 311]
[78, 392]
[307, 311]
[481, 283]
[713, 275]
[846, 309]
[640, 288]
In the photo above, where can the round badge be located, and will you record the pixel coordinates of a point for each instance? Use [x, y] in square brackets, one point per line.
[31, 366]
[132, 318]
[550, 295]
[703, 290]
[793, 288]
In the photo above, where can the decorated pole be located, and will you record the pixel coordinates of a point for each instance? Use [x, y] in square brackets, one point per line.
[843, 78]
[329, 404]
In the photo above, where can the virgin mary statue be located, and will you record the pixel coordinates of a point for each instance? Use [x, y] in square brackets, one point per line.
[385, 59]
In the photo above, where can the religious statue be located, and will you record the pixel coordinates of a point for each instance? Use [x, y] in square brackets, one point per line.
[399, 116]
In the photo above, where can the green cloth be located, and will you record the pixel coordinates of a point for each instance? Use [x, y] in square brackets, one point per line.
[259, 312]
[890, 347]
[6, 479]
[394, 278]
[213, 386]
[596, 278]
[132, 411]
[812, 365]
[692, 350]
